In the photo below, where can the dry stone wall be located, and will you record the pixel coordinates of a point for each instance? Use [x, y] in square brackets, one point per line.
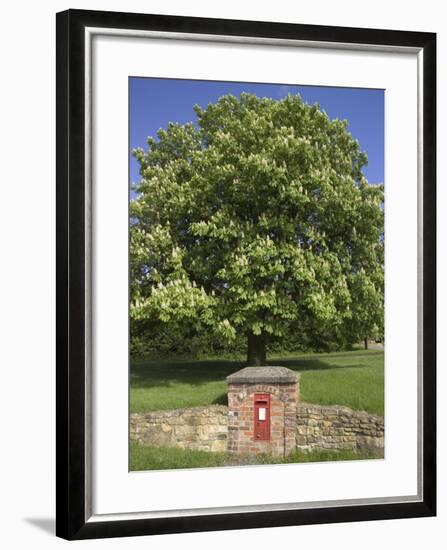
[333, 427]
[318, 427]
[197, 428]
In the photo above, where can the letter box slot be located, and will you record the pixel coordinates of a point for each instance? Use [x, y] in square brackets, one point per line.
[261, 417]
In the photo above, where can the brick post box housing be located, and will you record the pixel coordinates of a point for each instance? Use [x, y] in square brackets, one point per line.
[262, 410]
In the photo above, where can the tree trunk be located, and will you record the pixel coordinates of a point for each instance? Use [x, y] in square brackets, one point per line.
[256, 355]
[366, 343]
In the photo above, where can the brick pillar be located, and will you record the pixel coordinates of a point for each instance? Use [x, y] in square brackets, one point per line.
[276, 389]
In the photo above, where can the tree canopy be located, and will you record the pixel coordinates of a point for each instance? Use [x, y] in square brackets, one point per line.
[257, 220]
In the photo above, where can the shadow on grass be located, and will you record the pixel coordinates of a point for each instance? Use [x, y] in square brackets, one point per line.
[195, 373]
[222, 399]
[164, 373]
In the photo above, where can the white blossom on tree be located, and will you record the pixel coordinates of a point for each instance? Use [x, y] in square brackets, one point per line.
[257, 220]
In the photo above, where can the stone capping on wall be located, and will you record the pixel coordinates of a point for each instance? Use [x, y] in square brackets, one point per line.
[263, 375]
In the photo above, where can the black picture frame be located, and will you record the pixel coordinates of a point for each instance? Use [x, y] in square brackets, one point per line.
[72, 492]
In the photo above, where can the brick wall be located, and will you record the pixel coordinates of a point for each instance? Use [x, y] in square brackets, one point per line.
[241, 438]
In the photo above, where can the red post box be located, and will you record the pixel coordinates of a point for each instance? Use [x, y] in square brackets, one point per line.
[261, 430]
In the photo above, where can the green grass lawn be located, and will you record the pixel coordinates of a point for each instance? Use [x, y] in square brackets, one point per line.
[166, 458]
[351, 378]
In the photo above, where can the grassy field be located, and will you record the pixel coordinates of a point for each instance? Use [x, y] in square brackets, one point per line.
[351, 378]
[166, 458]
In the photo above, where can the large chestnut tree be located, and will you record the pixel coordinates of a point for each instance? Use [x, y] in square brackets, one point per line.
[257, 220]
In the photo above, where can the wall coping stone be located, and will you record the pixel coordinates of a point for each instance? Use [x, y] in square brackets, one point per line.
[336, 409]
[263, 375]
[166, 413]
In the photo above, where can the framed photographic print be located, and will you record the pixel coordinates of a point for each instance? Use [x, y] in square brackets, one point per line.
[245, 274]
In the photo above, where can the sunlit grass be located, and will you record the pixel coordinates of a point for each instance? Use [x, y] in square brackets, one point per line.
[354, 379]
[166, 458]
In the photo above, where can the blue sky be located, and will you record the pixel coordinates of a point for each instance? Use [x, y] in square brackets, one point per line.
[156, 101]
